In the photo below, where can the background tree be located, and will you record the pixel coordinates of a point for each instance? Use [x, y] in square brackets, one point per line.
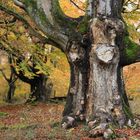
[10, 80]
[97, 46]
[28, 61]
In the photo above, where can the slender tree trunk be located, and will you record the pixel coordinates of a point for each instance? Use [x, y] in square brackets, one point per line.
[11, 92]
[11, 81]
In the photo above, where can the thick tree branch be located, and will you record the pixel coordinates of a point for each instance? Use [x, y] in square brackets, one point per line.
[13, 78]
[131, 53]
[128, 61]
[49, 17]
[32, 31]
[40, 12]
[21, 76]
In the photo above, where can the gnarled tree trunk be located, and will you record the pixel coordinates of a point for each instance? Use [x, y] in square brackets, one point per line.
[96, 93]
[104, 98]
[76, 98]
[39, 88]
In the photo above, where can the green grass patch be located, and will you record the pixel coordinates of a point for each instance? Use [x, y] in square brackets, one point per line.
[18, 126]
[55, 124]
[3, 114]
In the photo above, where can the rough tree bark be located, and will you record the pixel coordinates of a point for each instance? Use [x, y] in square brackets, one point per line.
[96, 56]
[76, 98]
[105, 103]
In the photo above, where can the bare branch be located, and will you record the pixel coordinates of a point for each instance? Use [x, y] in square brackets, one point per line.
[76, 5]
[4, 75]
[128, 61]
[49, 17]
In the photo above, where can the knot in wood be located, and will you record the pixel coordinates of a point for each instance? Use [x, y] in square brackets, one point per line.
[115, 24]
[105, 53]
[75, 51]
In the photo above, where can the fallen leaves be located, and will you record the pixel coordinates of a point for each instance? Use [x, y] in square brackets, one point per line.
[42, 122]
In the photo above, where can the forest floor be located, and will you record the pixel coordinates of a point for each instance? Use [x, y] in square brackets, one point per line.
[42, 122]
